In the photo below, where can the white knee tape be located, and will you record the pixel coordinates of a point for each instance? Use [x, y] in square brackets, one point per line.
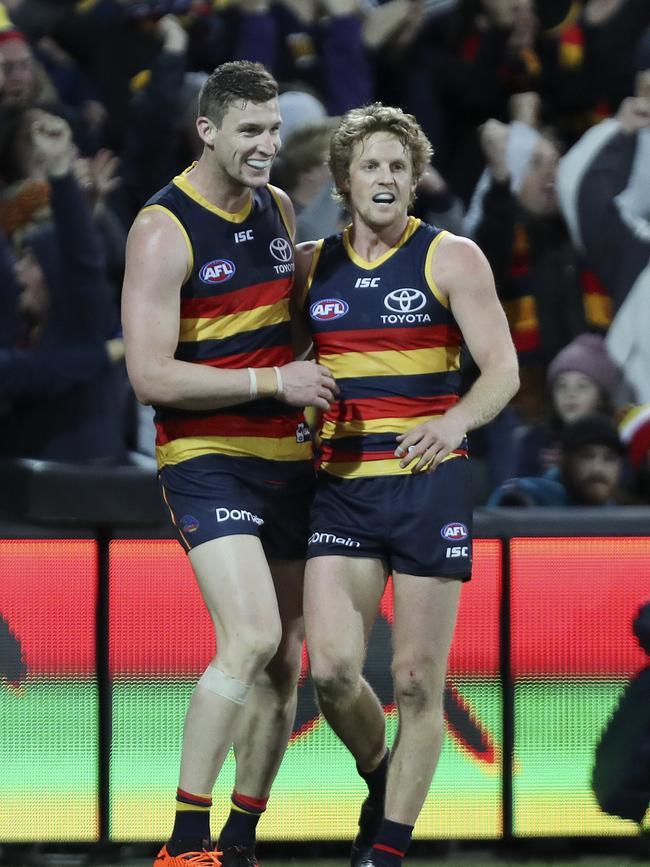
[220, 683]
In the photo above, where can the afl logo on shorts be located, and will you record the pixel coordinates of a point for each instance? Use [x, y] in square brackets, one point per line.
[189, 524]
[455, 530]
[329, 308]
[217, 271]
[281, 249]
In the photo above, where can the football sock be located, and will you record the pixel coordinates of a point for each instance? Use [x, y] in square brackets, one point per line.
[191, 831]
[376, 780]
[240, 826]
[391, 844]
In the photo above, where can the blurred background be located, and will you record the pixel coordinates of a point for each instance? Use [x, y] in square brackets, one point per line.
[539, 114]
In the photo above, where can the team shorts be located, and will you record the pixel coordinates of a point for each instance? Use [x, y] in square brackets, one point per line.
[213, 496]
[419, 524]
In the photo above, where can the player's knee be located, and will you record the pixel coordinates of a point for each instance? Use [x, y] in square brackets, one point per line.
[250, 654]
[417, 686]
[284, 670]
[336, 682]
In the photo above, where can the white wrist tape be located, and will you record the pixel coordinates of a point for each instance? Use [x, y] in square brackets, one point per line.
[223, 684]
[278, 376]
[252, 380]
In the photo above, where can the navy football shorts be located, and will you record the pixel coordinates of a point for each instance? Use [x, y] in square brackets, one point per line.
[212, 496]
[419, 524]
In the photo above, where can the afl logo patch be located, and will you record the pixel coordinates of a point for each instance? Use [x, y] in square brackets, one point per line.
[454, 530]
[281, 249]
[217, 271]
[189, 524]
[329, 308]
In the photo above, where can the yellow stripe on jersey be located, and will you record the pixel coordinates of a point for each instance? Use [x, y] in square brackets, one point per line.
[270, 448]
[412, 226]
[346, 365]
[359, 469]
[218, 327]
[441, 297]
[184, 184]
[355, 427]
[188, 243]
[275, 192]
[312, 270]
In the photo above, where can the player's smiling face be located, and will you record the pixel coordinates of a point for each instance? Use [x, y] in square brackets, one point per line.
[247, 142]
[380, 181]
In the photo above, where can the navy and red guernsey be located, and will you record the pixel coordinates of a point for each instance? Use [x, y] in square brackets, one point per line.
[234, 313]
[387, 334]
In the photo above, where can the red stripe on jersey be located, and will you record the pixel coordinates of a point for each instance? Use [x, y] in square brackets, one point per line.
[376, 339]
[389, 407]
[332, 454]
[227, 425]
[271, 356]
[247, 298]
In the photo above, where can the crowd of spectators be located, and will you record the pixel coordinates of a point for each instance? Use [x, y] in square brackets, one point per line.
[539, 114]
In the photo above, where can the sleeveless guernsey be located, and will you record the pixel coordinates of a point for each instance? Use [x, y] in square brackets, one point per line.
[386, 332]
[234, 313]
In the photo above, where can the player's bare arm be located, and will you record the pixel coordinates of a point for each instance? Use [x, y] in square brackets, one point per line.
[302, 340]
[157, 265]
[461, 271]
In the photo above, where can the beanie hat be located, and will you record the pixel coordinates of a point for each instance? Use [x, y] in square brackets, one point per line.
[635, 432]
[587, 354]
[594, 429]
[298, 107]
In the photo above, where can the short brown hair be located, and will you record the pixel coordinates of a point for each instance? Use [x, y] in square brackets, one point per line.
[234, 81]
[359, 123]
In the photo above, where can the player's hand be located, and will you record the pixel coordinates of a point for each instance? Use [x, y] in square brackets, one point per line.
[305, 383]
[429, 443]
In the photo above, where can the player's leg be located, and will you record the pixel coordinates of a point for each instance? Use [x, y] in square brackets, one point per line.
[342, 595]
[238, 590]
[425, 616]
[266, 722]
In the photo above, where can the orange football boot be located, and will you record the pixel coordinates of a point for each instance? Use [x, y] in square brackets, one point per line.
[196, 859]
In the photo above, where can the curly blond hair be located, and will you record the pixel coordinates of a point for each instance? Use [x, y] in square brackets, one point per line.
[359, 123]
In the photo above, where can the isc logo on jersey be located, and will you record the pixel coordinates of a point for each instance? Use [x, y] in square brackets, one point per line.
[217, 271]
[328, 309]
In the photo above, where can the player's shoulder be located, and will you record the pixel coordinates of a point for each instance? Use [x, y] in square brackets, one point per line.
[456, 252]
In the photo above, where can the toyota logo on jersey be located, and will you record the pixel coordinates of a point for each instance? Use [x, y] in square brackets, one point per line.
[280, 249]
[328, 308]
[405, 300]
[217, 271]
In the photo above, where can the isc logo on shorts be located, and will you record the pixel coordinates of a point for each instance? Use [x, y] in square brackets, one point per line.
[217, 271]
[454, 531]
[237, 515]
[329, 308]
[457, 551]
